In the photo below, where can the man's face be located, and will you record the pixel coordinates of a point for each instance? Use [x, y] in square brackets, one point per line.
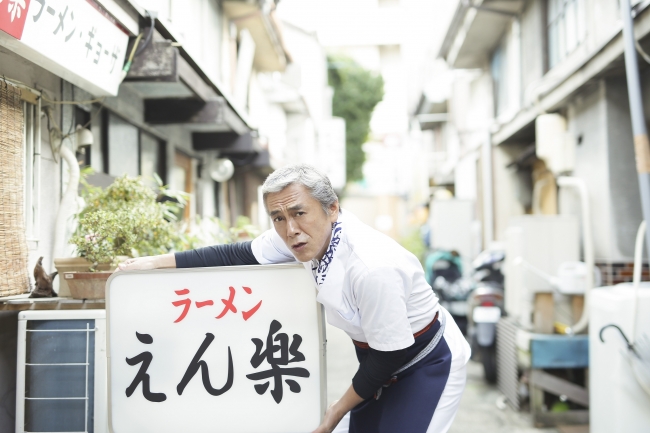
[301, 222]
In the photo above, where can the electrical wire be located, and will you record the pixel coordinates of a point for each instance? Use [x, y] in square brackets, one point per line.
[147, 40]
[133, 50]
[642, 52]
[91, 101]
[52, 125]
[41, 94]
[129, 62]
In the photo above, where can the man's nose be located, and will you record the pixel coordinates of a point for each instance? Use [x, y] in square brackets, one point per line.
[292, 228]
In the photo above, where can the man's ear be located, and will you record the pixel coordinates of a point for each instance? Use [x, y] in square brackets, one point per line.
[334, 211]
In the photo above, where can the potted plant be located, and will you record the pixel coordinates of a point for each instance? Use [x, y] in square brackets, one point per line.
[125, 219]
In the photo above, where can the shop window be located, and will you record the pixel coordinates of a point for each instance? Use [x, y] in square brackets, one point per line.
[566, 28]
[127, 149]
[152, 158]
[123, 147]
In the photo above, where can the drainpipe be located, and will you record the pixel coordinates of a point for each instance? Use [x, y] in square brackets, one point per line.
[488, 191]
[68, 206]
[641, 143]
[588, 246]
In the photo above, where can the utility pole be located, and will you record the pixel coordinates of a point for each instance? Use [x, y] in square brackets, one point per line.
[641, 142]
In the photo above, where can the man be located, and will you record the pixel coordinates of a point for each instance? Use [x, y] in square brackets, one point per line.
[412, 355]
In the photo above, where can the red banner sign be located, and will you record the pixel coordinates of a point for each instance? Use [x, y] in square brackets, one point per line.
[13, 14]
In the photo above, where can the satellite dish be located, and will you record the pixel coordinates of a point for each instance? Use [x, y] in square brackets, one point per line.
[222, 170]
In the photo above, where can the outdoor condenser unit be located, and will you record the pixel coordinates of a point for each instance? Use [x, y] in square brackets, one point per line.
[61, 372]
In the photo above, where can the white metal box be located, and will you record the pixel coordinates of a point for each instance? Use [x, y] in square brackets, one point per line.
[617, 403]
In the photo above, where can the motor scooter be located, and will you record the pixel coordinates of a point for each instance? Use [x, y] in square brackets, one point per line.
[445, 275]
[485, 307]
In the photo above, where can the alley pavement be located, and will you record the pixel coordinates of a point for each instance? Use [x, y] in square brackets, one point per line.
[478, 410]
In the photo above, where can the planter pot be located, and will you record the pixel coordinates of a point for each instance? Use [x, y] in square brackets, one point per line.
[74, 264]
[87, 285]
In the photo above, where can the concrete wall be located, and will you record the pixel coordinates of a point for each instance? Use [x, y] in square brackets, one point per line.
[603, 22]
[586, 117]
[599, 119]
[623, 182]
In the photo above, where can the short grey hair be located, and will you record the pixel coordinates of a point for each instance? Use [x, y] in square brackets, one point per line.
[314, 180]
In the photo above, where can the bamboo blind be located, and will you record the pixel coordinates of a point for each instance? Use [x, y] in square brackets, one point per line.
[14, 276]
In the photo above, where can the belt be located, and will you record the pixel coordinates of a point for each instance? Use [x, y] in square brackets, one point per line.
[362, 345]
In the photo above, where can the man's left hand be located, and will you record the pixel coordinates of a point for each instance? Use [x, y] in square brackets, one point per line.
[331, 419]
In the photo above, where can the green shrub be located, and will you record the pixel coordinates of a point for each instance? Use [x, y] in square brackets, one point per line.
[125, 219]
[129, 219]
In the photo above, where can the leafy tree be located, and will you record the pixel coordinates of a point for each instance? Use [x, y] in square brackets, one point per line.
[356, 93]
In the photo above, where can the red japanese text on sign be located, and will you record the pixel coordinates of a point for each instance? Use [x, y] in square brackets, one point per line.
[229, 304]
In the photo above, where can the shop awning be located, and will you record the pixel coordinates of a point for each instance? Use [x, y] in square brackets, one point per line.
[475, 30]
[177, 90]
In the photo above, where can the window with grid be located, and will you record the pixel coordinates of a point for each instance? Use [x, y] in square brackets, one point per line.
[566, 28]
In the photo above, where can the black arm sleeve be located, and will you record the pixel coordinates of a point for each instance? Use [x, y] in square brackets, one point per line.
[240, 253]
[375, 370]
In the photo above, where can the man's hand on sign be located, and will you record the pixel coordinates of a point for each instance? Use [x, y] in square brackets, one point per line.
[330, 420]
[337, 410]
[147, 263]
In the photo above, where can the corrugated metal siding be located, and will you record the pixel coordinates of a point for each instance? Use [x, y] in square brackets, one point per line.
[507, 372]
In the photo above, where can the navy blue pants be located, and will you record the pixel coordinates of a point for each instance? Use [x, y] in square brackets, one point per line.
[407, 405]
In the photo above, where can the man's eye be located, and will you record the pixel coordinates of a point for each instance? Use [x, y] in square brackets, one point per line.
[300, 213]
[277, 219]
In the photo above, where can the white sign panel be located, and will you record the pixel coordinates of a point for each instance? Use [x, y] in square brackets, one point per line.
[232, 349]
[70, 38]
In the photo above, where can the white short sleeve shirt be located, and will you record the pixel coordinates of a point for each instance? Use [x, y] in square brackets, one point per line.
[371, 287]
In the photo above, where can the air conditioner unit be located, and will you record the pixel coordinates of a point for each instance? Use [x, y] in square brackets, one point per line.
[61, 374]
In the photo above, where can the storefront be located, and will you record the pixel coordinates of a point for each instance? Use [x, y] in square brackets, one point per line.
[67, 102]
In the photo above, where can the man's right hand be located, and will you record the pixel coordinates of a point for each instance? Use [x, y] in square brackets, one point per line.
[148, 263]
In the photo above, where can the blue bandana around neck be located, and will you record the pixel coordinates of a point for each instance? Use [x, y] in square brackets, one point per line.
[320, 269]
